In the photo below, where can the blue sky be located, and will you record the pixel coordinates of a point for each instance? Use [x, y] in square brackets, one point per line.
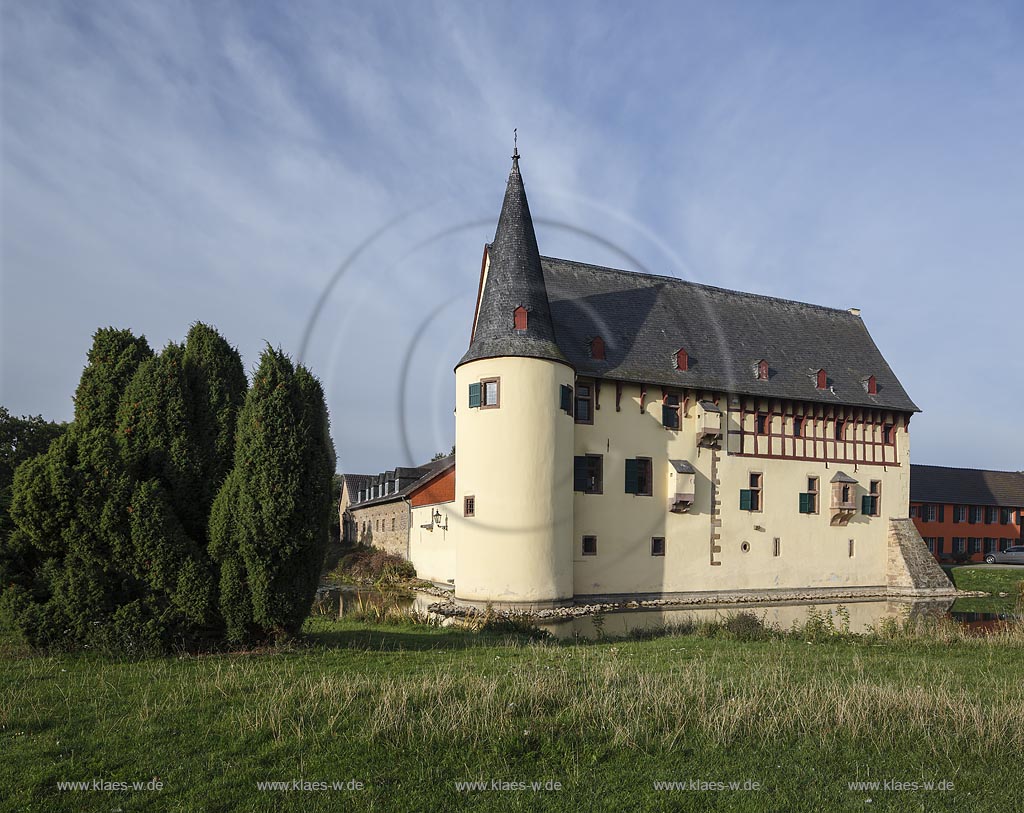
[164, 163]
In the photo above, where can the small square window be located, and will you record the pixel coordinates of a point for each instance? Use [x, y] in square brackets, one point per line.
[491, 393]
[657, 546]
[590, 546]
[469, 506]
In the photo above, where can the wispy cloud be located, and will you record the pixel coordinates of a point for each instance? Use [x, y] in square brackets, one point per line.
[170, 162]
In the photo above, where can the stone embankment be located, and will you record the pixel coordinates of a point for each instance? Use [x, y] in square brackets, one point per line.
[452, 609]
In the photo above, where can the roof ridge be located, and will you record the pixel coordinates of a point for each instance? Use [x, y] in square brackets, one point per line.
[703, 285]
[966, 468]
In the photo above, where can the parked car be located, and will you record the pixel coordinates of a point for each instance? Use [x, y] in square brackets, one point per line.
[1011, 556]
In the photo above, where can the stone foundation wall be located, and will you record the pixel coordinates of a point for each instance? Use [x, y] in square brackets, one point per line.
[912, 570]
[384, 526]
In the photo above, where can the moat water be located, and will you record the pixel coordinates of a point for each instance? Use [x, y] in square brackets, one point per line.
[854, 615]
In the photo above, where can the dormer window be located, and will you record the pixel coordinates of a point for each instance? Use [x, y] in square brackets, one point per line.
[822, 380]
[871, 385]
[682, 360]
[761, 370]
[519, 318]
[597, 348]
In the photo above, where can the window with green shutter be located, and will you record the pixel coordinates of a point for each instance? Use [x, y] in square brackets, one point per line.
[868, 505]
[806, 504]
[474, 394]
[587, 473]
[632, 476]
[566, 402]
[579, 473]
[746, 499]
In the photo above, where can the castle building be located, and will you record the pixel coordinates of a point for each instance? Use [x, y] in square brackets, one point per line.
[967, 514]
[622, 434]
[377, 510]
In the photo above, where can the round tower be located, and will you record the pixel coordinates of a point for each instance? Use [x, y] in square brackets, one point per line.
[513, 439]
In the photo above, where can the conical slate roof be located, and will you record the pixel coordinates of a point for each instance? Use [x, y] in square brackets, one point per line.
[514, 279]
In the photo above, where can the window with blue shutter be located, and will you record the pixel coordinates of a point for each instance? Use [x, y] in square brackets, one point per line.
[868, 505]
[746, 499]
[474, 394]
[632, 476]
[566, 404]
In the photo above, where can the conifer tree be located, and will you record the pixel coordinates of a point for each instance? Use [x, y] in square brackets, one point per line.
[114, 357]
[269, 526]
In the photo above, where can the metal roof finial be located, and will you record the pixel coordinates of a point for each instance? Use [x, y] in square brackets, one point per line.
[515, 148]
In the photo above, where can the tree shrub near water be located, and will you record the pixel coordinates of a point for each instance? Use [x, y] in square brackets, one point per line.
[110, 545]
[269, 527]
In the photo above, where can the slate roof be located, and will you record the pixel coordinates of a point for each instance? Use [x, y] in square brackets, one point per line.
[427, 472]
[356, 482]
[645, 319]
[941, 484]
[514, 279]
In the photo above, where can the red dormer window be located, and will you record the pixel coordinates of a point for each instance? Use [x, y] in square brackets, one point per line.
[871, 385]
[822, 382]
[682, 360]
[597, 348]
[519, 318]
[762, 370]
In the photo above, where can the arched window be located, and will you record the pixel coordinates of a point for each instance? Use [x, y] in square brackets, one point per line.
[519, 318]
[871, 385]
[762, 370]
[822, 382]
[597, 348]
[682, 360]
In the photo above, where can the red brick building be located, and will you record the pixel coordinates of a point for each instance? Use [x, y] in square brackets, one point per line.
[964, 514]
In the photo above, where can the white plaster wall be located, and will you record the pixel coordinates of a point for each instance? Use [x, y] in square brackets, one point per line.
[516, 461]
[432, 552]
[812, 554]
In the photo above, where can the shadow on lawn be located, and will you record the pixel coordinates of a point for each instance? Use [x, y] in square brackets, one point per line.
[397, 639]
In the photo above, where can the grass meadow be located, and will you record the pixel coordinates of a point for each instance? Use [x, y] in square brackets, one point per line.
[409, 711]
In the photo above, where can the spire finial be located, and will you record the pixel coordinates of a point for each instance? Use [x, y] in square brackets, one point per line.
[515, 148]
